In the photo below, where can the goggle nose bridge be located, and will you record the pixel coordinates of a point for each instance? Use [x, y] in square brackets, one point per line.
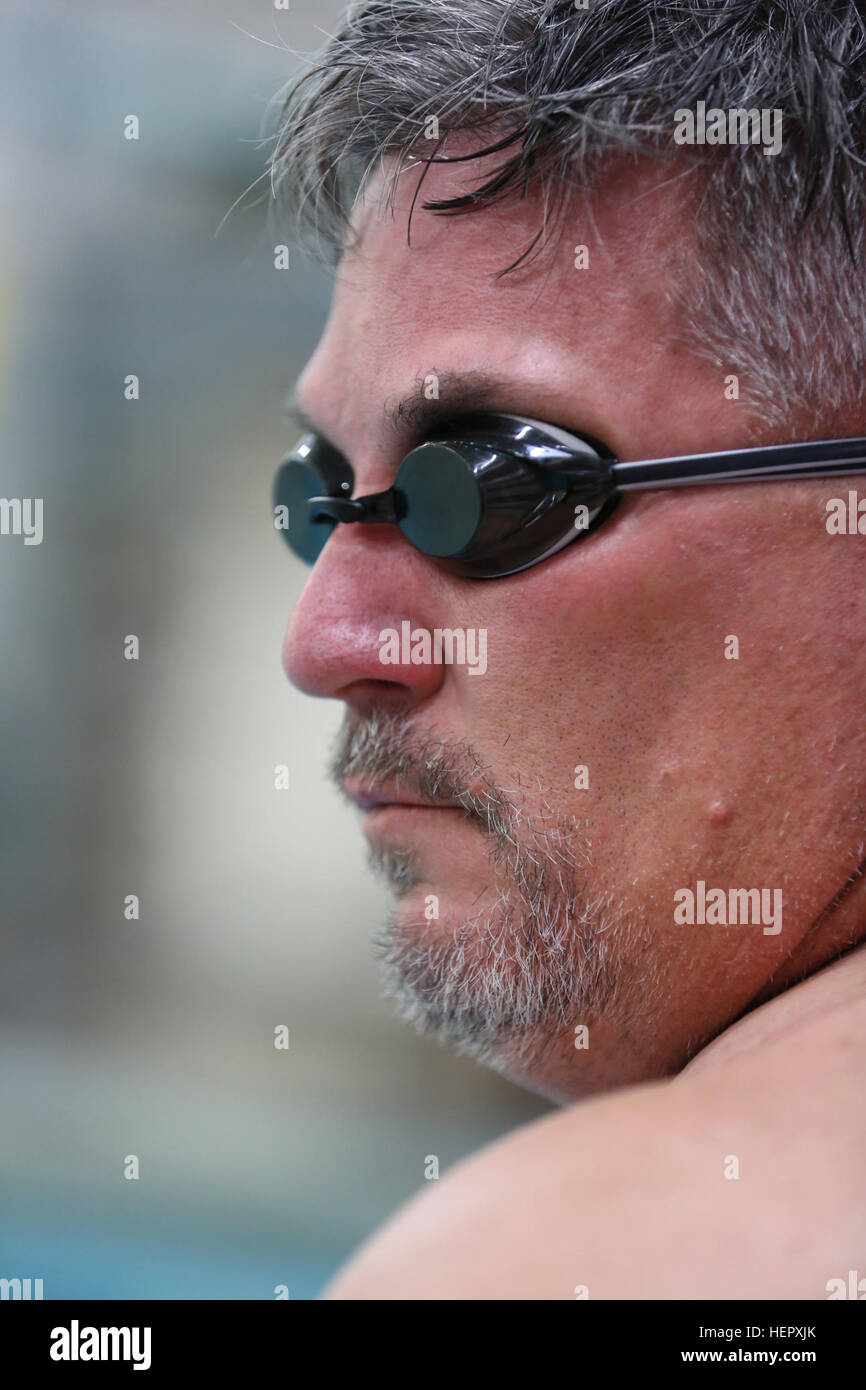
[375, 507]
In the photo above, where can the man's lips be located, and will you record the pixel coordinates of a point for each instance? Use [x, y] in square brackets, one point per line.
[370, 797]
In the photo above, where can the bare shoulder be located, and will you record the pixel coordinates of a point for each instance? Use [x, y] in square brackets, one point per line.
[740, 1178]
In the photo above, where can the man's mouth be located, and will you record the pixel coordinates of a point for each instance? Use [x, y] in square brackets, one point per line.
[372, 797]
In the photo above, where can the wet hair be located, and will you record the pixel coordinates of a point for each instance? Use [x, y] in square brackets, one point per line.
[771, 285]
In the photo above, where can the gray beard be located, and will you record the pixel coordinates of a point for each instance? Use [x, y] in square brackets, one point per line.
[499, 985]
[504, 985]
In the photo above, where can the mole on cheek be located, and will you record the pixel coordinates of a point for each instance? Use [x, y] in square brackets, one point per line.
[719, 813]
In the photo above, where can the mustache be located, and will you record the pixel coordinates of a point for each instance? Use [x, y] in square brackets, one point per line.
[385, 747]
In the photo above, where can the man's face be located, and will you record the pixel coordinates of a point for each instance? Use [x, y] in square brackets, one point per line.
[555, 901]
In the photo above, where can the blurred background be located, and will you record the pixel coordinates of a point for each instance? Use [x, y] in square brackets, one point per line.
[155, 1037]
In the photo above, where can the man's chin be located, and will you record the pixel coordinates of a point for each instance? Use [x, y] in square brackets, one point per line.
[439, 986]
[459, 977]
[534, 993]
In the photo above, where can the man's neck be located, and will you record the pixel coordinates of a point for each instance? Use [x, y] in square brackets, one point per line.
[833, 992]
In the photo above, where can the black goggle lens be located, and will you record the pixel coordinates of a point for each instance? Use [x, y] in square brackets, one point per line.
[312, 468]
[295, 484]
[440, 500]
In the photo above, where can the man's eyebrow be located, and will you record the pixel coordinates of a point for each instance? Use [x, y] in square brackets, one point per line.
[456, 393]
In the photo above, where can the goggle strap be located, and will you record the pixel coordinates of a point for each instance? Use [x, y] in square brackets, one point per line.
[823, 458]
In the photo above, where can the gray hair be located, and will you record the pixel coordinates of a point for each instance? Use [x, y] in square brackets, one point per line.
[773, 292]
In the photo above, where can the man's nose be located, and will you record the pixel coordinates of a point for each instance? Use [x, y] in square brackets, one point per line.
[366, 583]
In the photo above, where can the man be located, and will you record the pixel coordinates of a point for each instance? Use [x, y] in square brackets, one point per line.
[628, 852]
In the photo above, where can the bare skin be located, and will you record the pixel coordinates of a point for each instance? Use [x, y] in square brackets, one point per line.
[633, 1195]
[742, 773]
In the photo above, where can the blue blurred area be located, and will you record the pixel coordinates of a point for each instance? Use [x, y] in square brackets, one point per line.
[77, 1264]
[153, 1037]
